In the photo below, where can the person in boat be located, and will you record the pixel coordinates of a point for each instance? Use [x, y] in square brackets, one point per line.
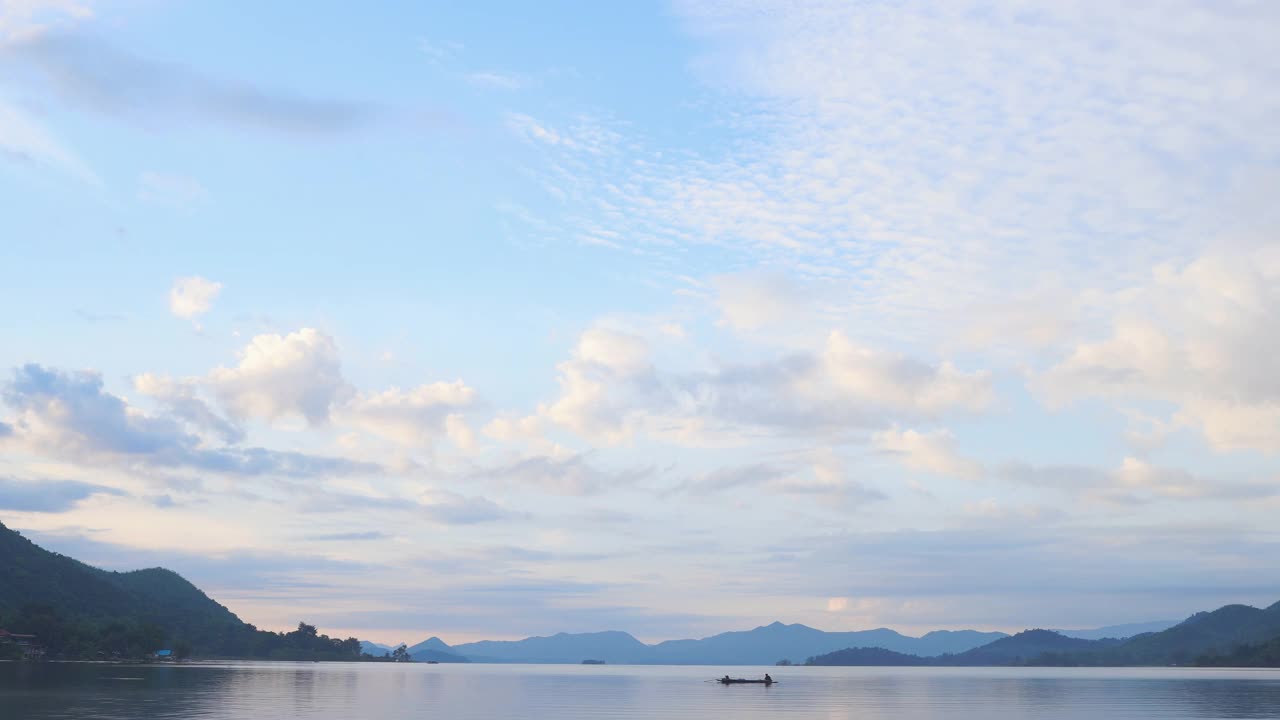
[767, 679]
[725, 680]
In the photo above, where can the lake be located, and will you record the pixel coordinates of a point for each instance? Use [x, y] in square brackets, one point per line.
[325, 691]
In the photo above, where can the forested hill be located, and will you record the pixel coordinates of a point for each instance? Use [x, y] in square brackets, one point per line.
[79, 611]
[1237, 635]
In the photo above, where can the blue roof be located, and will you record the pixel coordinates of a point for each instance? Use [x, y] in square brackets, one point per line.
[163, 653]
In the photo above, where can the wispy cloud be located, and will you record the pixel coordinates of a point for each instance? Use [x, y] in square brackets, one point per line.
[24, 140]
[97, 76]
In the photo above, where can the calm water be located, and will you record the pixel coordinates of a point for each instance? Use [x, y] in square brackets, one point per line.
[330, 690]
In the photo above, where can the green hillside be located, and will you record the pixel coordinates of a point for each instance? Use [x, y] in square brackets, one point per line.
[1205, 633]
[868, 657]
[79, 611]
[1233, 635]
[1027, 647]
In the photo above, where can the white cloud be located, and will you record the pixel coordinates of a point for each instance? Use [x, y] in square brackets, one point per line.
[512, 428]
[603, 363]
[192, 296]
[900, 383]
[71, 417]
[414, 417]
[299, 374]
[751, 301]
[980, 150]
[1199, 336]
[181, 398]
[583, 136]
[610, 389]
[927, 451]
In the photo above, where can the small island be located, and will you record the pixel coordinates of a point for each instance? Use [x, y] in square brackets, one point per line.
[594, 662]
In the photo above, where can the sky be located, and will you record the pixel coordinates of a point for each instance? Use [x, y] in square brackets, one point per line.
[507, 319]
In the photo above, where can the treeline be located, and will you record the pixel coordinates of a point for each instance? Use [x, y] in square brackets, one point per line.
[85, 638]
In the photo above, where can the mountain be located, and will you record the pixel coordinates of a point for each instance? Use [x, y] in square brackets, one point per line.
[613, 647]
[1218, 632]
[45, 586]
[433, 644]
[1027, 647]
[1265, 654]
[433, 649]
[868, 656]
[373, 648]
[1233, 635]
[770, 643]
[1119, 632]
[761, 646]
[79, 611]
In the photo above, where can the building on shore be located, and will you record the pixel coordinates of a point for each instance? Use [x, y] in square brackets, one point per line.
[31, 648]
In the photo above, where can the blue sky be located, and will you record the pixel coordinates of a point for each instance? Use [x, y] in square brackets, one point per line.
[664, 317]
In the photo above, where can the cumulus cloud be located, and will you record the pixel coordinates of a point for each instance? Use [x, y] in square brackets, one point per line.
[280, 376]
[47, 496]
[610, 389]
[72, 417]
[192, 296]
[604, 366]
[181, 399]
[417, 416]
[513, 428]
[1198, 336]
[927, 451]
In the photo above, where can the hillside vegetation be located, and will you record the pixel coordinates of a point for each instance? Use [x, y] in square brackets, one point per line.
[79, 611]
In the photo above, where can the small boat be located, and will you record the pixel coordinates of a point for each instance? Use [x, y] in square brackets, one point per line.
[744, 681]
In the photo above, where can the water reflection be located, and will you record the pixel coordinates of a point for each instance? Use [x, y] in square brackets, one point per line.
[330, 691]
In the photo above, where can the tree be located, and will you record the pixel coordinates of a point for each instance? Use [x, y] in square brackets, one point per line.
[182, 649]
[401, 654]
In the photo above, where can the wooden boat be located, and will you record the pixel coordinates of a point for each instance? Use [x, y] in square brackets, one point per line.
[744, 681]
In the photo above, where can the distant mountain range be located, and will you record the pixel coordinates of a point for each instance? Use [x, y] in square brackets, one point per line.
[761, 646]
[1119, 632]
[82, 611]
[1237, 635]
